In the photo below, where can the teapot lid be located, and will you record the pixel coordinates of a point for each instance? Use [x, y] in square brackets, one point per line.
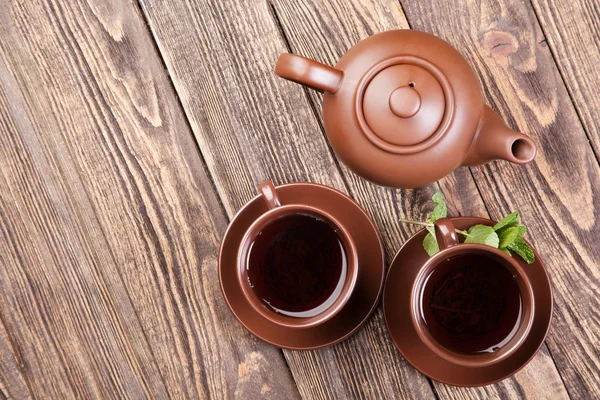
[403, 104]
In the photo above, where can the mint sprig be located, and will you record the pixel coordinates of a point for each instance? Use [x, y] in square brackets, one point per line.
[506, 235]
[440, 211]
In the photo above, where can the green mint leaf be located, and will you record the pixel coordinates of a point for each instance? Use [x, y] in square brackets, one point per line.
[507, 222]
[482, 234]
[511, 235]
[430, 244]
[523, 250]
[431, 230]
[506, 251]
[440, 210]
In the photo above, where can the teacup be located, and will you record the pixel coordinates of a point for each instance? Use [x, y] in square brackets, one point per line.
[448, 321]
[280, 258]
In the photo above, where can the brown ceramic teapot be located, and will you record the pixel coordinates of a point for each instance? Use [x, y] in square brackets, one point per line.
[403, 109]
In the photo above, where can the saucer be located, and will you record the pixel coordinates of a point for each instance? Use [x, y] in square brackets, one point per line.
[397, 312]
[371, 270]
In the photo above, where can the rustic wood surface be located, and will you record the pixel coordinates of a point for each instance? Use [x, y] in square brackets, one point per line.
[560, 192]
[571, 28]
[536, 376]
[131, 132]
[109, 224]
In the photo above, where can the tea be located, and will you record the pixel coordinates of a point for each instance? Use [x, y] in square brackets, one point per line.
[297, 265]
[471, 304]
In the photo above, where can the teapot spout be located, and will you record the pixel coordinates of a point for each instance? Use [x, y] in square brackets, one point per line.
[494, 140]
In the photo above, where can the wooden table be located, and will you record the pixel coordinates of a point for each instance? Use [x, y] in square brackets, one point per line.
[131, 133]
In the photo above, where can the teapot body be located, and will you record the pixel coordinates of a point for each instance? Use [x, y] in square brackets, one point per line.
[402, 108]
[374, 153]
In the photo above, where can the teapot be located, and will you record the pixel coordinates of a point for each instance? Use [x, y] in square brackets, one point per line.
[403, 108]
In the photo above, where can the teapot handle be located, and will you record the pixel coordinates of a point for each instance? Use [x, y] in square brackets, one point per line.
[309, 73]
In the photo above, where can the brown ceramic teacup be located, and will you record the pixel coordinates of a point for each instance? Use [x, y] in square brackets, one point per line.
[342, 287]
[450, 249]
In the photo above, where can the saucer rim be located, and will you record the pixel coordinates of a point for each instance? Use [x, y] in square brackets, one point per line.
[376, 301]
[477, 220]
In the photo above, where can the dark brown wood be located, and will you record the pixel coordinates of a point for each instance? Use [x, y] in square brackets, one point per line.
[557, 195]
[314, 20]
[252, 126]
[109, 226]
[59, 312]
[571, 29]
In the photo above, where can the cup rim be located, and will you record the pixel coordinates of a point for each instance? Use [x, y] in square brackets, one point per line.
[480, 359]
[349, 281]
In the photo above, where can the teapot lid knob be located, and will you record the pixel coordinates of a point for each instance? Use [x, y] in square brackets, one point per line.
[405, 101]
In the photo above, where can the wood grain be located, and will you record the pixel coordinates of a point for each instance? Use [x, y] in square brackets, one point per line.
[315, 20]
[557, 194]
[60, 314]
[109, 226]
[252, 126]
[13, 384]
[109, 223]
[572, 31]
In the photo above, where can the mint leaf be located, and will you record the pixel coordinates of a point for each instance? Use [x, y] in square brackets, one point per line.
[482, 234]
[505, 251]
[511, 235]
[440, 210]
[430, 244]
[523, 250]
[507, 222]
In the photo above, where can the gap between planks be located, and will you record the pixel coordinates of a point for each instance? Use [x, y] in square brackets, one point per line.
[140, 9]
[103, 233]
[313, 107]
[587, 135]
[564, 81]
[311, 103]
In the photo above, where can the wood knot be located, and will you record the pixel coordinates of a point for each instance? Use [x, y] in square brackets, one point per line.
[500, 43]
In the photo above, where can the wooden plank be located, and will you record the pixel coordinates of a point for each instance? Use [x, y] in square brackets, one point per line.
[354, 21]
[109, 227]
[61, 314]
[572, 29]
[13, 384]
[558, 193]
[253, 126]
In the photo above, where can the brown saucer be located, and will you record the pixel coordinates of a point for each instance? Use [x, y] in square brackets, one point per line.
[397, 311]
[369, 283]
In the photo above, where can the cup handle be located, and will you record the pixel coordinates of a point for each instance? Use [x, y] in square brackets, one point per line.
[445, 234]
[269, 194]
